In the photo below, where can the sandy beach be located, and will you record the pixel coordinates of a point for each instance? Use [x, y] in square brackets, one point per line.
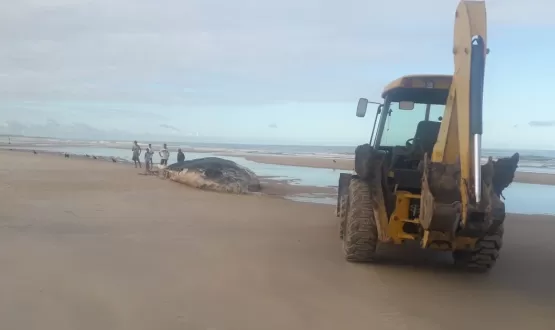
[93, 245]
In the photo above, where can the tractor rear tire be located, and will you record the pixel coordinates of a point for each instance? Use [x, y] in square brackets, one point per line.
[484, 255]
[360, 234]
[343, 200]
[363, 157]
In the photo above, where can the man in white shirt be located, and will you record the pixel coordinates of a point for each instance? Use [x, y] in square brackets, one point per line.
[164, 155]
[148, 159]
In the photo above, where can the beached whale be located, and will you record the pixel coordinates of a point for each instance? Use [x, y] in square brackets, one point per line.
[213, 173]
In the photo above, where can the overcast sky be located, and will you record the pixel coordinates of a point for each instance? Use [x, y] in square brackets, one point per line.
[258, 71]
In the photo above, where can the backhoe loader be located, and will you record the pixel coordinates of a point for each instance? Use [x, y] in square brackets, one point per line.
[420, 178]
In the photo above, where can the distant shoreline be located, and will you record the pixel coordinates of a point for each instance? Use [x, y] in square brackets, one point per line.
[343, 164]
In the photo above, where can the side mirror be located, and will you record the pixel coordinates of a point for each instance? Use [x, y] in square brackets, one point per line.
[361, 107]
[406, 105]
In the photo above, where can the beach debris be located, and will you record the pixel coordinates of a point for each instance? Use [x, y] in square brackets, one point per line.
[34, 152]
[213, 173]
[114, 160]
[66, 155]
[94, 157]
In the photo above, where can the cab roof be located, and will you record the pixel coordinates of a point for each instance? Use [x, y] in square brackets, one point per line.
[419, 81]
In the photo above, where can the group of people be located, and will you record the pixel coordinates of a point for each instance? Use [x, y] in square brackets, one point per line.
[164, 155]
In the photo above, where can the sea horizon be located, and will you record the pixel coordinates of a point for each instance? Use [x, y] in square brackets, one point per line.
[533, 160]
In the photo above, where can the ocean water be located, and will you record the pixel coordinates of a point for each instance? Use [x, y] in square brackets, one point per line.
[539, 161]
[520, 197]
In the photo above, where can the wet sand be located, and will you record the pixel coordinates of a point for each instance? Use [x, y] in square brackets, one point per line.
[333, 163]
[93, 245]
[282, 188]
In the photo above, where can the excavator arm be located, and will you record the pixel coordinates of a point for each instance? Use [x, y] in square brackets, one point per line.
[458, 193]
[459, 140]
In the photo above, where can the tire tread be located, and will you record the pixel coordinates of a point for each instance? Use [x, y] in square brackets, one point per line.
[360, 233]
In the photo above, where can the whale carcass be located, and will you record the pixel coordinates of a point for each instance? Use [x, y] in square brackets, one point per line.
[213, 173]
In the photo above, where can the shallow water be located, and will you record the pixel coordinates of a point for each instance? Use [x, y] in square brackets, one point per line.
[529, 198]
[314, 198]
[520, 197]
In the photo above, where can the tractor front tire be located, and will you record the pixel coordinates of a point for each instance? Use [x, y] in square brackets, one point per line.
[360, 237]
[484, 255]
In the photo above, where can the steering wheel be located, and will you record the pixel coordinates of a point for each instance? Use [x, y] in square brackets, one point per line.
[411, 145]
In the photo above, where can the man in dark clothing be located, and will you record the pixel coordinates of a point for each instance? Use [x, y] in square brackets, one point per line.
[180, 155]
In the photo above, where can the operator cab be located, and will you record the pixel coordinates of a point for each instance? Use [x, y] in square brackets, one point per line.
[407, 125]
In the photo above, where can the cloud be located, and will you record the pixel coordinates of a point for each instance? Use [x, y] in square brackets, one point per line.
[172, 128]
[227, 52]
[78, 130]
[53, 129]
[273, 125]
[542, 123]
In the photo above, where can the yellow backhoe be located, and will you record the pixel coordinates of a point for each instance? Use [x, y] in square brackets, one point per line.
[420, 177]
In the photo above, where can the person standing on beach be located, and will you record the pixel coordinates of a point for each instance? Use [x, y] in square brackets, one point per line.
[136, 154]
[180, 155]
[164, 155]
[151, 150]
[148, 159]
